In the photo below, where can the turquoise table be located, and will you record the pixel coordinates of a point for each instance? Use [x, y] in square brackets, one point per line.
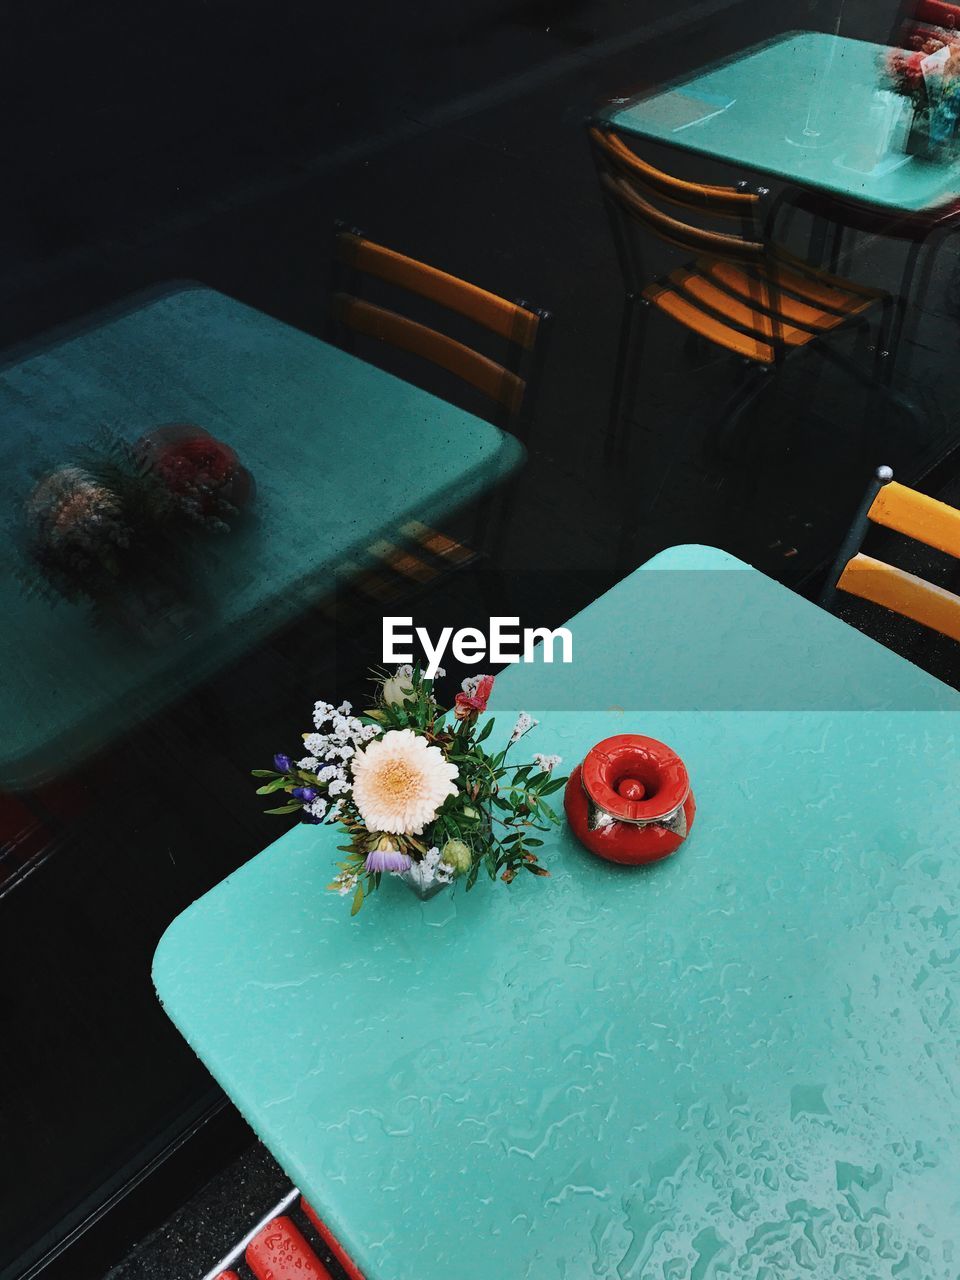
[341, 453]
[742, 1061]
[806, 109]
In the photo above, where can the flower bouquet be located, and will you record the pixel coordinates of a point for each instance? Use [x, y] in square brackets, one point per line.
[115, 526]
[415, 790]
[928, 74]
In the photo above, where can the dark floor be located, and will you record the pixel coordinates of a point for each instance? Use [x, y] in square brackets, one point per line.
[219, 142]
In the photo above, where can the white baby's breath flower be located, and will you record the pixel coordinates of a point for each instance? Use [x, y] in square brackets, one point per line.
[470, 685]
[317, 809]
[546, 763]
[308, 762]
[524, 724]
[400, 781]
[345, 883]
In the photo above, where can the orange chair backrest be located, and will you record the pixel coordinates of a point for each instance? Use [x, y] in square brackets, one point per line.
[925, 520]
[632, 183]
[517, 324]
[719, 201]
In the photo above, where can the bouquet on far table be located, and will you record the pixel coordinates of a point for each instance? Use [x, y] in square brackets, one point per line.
[416, 791]
[928, 74]
[116, 525]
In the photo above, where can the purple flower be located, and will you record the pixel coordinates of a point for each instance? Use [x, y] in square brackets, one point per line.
[305, 794]
[388, 859]
[282, 762]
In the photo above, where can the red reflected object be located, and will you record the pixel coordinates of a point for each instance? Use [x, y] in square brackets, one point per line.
[228, 1275]
[279, 1252]
[630, 801]
[332, 1243]
[196, 465]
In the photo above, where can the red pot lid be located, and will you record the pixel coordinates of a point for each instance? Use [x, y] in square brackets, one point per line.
[635, 779]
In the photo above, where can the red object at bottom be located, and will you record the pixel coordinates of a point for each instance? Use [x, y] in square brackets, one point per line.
[228, 1275]
[332, 1243]
[279, 1252]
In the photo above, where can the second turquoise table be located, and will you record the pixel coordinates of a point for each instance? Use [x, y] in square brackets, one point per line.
[742, 1061]
[341, 452]
[803, 109]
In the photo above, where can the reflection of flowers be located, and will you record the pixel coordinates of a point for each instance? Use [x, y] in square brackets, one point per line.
[203, 473]
[75, 523]
[110, 527]
[931, 83]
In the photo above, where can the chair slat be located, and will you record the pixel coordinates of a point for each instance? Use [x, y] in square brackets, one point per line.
[332, 1243]
[696, 239]
[903, 593]
[918, 516]
[490, 378]
[720, 201]
[754, 289]
[507, 319]
[280, 1252]
[736, 311]
[817, 285]
[692, 317]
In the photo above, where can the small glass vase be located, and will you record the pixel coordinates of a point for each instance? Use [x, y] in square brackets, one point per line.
[933, 139]
[424, 881]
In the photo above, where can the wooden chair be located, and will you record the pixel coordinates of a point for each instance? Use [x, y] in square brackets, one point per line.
[925, 520]
[509, 384]
[738, 293]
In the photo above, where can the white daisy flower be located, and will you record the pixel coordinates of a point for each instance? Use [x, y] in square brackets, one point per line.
[400, 781]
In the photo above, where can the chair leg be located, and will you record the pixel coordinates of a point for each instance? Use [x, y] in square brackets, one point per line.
[629, 356]
[756, 381]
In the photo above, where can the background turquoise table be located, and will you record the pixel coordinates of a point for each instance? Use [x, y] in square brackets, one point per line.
[741, 1061]
[341, 453]
[804, 109]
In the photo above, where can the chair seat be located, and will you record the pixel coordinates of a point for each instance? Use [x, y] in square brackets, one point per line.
[736, 308]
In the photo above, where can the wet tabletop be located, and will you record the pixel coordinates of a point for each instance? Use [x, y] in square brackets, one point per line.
[741, 1061]
[340, 453]
[808, 108]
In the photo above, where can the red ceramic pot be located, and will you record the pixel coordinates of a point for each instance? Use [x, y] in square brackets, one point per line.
[630, 801]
